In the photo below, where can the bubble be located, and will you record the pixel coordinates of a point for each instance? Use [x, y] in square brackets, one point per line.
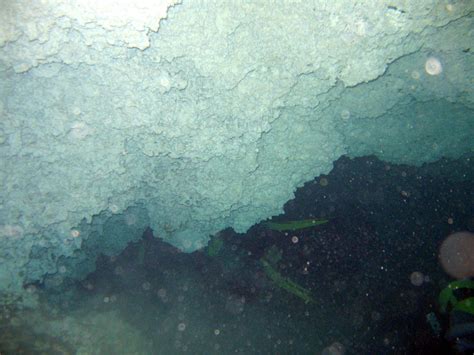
[130, 219]
[62, 269]
[118, 270]
[450, 221]
[165, 82]
[146, 286]
[235, 304]
[323, 182]
[9, 230]
[376, 316]
[360, 27]
[294, 239]
[162, 293]
[415, 74]
[76, 111]
[345, 115]
[417, 278]
[456, 255]
[217, 331]
[181, 327]
[405, 193]
[75, 233]
[80, 130]
[113, 208]
[31, 289]
[335, 348]
[433, 66]
[106, 300]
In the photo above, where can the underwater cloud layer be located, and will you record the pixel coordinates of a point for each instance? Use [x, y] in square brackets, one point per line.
[193, 117]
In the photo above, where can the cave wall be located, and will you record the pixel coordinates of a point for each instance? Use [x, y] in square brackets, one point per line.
[190, 117]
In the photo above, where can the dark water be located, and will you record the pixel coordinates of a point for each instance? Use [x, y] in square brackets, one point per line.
[372, 271]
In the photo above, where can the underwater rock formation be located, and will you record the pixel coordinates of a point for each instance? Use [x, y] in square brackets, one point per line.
[196, 116]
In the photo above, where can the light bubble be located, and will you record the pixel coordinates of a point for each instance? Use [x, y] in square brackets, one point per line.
[217, 331]
[113, 208]
[181, 327]
[165, 82]
[146, 286]
[376, 316]
[9, 230]
[162, 293]
[76, 111]
[415, 74]
[31, 289]
[62, 269]
[335, 348]
[75, 233]
[417, 278]
[433, 66]
[345, 115]
[80, 130]
[360, 27]
[106, 299]
[323, 182]
[118, 270]
[130, 219]
[294, 239]
[457, 255]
